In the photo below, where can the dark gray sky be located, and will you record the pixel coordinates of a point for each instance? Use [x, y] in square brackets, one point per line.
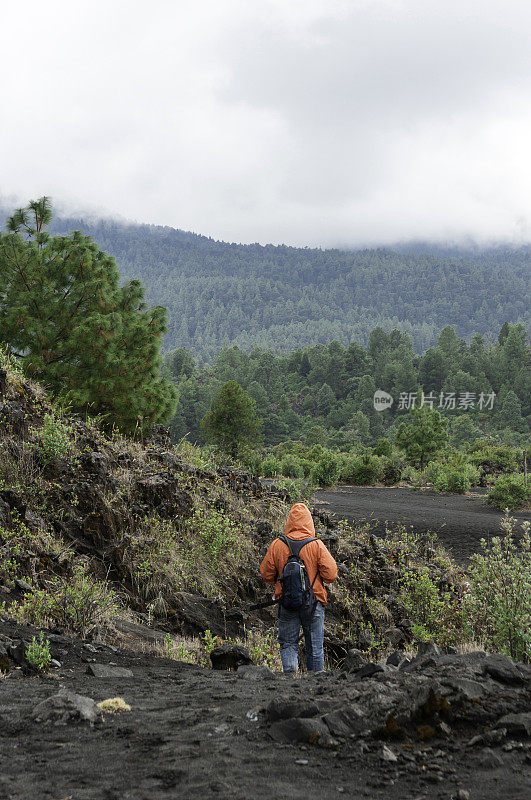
[314, 122]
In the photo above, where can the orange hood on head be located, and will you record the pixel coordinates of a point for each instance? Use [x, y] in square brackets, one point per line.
[300, 522]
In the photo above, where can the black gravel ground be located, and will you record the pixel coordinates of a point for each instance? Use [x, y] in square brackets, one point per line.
[195, 733]
[460, 521]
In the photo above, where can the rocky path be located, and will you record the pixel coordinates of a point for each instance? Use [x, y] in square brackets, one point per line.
[400, 733]
[460, 521]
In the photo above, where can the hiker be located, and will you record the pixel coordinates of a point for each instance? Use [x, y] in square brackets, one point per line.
[300, 604]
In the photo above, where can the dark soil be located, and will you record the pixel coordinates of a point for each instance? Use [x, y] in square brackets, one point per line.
[200, 733]
[460, 521]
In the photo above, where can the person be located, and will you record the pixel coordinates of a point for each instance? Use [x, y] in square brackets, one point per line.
[321, 568]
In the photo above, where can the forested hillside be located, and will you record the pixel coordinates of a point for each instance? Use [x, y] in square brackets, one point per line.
[325, 394]
[283, 298]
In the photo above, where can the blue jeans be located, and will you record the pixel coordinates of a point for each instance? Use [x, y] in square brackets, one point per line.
[288, 638]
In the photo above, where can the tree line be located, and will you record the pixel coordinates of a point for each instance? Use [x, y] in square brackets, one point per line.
[325, 394]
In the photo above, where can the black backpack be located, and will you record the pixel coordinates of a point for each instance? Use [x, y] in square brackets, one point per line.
[297, 593]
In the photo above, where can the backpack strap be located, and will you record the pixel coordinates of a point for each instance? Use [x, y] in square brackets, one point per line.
[297, 545]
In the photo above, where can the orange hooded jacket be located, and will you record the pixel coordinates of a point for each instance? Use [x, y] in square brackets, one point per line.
[315, 555]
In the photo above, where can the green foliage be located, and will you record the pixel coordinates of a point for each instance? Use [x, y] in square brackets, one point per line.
[498, 605]
[298, 489]
[216, 531]
[291, 467]
[383, 448]
[271, 467]
[457, 476]
[232, 420]
[363, 469]
[79, 604]
[326, 470]
[423, 436]
[493, 458]
[55, 439]
[437, 615]
[324, 394]
[38, 653]
[75, 329]
[510, 492]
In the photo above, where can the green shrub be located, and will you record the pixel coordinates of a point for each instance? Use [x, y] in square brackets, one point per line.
[54, 439]
[494, 458]
[456, 476]
[271, 467]
[299, 489]
[510, 492]
[326, 471]
[79, 604]
[498, 604]
[38, 653]
[291, 468]
[437, 616]
[306, 466]
[383, 447]
[216, 531]
[391, 470]
[363, 470]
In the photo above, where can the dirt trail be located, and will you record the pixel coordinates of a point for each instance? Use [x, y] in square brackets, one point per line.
[460, 521]
[195, 733]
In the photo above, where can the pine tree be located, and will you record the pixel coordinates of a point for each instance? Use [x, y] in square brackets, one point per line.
[64, 314]
[232, 421]
[423, 437]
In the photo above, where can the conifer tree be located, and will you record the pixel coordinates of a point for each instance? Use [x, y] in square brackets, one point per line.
[232, 421]
[423, 436]
[63, 313]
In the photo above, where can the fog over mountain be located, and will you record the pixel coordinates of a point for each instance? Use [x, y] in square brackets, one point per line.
[317, 123]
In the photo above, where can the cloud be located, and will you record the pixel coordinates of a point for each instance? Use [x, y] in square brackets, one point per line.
[308, 122]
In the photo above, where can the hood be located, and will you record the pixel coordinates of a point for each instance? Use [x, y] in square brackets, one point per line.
[300, 522]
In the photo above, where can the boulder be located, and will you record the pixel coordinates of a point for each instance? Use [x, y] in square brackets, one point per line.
[158, 436]
[109, 671]
[345, 721]
[67, 707]
[95, 464]
[465, 688]
[264, 528]
[354, 660]
[368, 670]
[5, 661]
[288, 708]
[489, 759]
[303, 730]
[516, 724]
[502, 669]
[230, 656]
[395, 637]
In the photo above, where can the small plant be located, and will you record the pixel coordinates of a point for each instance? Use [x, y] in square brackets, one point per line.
[114, 705]
[182, 653]
[216, 531]
[38, 653]
[499, 600]
[509, 492]
[168, 646]
[79, 604]
[437, 615]
[55, 439]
